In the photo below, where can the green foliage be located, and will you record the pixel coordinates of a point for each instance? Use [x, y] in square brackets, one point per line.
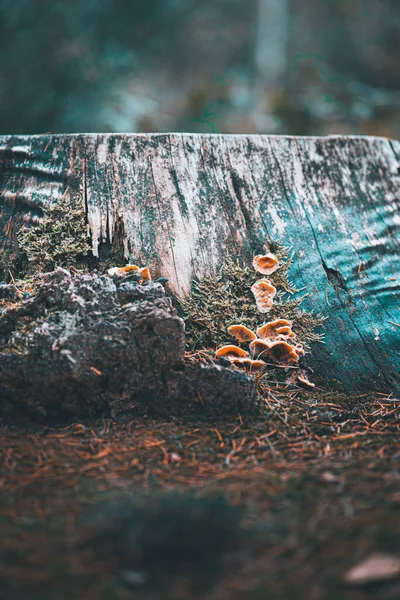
[226, 299]
[59, 238]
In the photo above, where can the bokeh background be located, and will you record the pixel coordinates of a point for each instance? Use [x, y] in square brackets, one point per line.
[225, 66]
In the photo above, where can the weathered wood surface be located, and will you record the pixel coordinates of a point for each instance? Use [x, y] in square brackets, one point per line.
[187, 200]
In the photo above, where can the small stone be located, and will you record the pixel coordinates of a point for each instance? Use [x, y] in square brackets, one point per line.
[377, 567]
[328, 477]
[174, 457]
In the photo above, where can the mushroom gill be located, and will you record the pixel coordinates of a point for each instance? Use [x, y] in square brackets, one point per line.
[282, 353]
[258, 347]
[254, 365]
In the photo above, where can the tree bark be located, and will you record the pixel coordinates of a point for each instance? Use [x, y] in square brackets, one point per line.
[182, 202]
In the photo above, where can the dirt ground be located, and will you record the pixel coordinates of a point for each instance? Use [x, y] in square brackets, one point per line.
[279, 506]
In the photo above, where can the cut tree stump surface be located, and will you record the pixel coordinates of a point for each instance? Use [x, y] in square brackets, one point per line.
[182, 202]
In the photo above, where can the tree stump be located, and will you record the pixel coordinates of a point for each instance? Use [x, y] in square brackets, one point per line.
[180, 203]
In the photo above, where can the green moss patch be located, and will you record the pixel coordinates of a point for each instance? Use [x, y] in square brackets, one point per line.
[60, 239]
[226, 299]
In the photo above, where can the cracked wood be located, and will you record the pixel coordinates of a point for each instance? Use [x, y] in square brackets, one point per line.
[185, 201]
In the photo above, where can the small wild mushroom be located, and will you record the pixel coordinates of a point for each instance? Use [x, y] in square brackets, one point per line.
[231, 351]
[121, 271]
[145, 274]
[266, 264]
[241, 333]
[142, 272]
[258, 347]
[264, 293]
[275, 328]
[283, 353]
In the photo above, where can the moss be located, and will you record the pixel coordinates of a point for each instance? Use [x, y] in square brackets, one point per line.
[60, 239]
[225, 299]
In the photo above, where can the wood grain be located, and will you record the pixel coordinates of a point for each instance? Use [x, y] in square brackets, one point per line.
[185, 201]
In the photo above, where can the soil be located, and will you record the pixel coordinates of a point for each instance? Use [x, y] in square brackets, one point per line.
[278, 506]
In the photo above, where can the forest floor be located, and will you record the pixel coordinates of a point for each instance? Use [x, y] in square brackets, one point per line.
[312, 489]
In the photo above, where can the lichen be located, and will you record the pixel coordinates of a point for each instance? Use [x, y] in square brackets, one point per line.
[217, 302]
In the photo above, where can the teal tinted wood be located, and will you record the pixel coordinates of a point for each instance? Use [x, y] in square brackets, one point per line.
[185, 201]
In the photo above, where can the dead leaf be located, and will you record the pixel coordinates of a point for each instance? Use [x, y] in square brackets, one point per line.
[377, 567]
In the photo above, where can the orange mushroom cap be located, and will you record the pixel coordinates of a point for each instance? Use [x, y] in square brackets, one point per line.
[129, 268]
[271, 329]
[241, 333]
[299, 349]
[283, 353]
[119, 271]
[145, 273]
[257, 347]
[285, 331]
[231, 350]
[254, 365]
[122, 270]
[266, 264]
[264, 293]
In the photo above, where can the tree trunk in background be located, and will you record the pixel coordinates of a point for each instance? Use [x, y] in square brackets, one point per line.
[182, 202]
[270, 59]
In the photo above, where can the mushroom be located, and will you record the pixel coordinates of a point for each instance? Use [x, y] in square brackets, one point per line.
[129, 268]
[241, 333]
[279, 327]
[231, 351]
[120, 271]
[299, 349]
[145, 273]
[266, 264]
[254, 365]
[283, 353]
[302, 378]
[257, 347]
[264, 293]
[285, 332]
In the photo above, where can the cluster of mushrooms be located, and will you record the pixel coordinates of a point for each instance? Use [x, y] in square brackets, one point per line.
[270, 343]
[142, 273]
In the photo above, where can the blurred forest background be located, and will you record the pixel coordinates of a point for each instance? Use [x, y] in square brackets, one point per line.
[225, 66]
